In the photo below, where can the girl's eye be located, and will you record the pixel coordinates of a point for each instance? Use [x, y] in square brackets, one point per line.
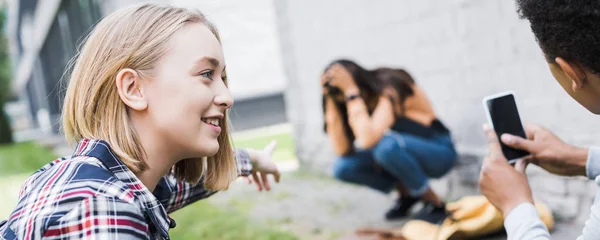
[207, 74]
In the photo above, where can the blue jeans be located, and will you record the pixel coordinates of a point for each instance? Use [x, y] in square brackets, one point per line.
[405, 159]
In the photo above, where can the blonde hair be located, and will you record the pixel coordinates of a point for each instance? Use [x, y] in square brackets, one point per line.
[135, 38]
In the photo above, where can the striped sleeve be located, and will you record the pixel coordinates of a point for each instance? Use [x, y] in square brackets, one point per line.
[243, 162]
[100, 217]
[30, 181]
[175, 194]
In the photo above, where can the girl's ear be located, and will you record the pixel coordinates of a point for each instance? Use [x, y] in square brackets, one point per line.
[128, 83]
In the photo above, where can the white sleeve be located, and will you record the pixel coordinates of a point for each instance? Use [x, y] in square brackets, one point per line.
[591, 230]
[524, 223]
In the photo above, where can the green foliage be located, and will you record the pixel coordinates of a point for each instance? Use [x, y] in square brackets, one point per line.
[5, 79]
[23, 158]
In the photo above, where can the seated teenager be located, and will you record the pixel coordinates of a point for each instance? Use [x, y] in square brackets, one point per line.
[386, 135]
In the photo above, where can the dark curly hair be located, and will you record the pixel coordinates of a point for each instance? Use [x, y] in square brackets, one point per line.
[371, 84]
[569, 29]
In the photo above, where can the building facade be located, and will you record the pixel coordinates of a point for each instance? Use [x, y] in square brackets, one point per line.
[44, 36]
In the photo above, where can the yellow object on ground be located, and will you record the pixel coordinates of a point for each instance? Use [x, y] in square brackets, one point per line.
[472, 216]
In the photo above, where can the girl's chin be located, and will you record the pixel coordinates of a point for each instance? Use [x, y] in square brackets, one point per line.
[210, 148]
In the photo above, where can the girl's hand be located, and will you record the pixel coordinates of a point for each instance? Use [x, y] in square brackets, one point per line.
[263, 166]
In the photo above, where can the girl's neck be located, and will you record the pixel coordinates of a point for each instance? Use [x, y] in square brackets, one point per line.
[151, 176]
[158, 156]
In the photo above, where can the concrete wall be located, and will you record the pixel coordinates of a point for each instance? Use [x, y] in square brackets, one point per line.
[458, 50]
[110, 6]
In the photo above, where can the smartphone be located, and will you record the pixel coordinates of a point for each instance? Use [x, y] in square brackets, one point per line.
[503, 117]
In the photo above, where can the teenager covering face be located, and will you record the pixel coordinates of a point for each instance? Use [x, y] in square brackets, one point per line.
[386, 135]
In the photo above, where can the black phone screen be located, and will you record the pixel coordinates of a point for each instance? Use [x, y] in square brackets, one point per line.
[505, 118]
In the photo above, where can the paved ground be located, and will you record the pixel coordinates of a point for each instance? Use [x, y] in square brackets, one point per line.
[317, 207]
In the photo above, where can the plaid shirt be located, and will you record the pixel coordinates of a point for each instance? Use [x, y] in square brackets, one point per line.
[93, 195]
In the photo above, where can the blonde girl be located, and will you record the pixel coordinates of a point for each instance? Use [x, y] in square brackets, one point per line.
[146, 107]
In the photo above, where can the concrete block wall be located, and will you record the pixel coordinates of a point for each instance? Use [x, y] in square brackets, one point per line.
[458, 50]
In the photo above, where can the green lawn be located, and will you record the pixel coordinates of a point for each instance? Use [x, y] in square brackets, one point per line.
[283, 152]
[203, 220]
[23, 158]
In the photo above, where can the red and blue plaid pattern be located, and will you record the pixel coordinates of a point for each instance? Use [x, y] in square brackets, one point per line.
[93, 195]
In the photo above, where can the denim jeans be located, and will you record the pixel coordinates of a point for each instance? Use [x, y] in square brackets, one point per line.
[405, 159]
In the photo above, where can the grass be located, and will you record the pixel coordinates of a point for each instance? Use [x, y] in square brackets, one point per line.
[282, 195]
[242, 205]
[283, 152]
[25, 157]
[17, 161]
[202, 220]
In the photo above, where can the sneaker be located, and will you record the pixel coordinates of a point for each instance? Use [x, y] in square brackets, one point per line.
[400, 209]
[432, 214]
